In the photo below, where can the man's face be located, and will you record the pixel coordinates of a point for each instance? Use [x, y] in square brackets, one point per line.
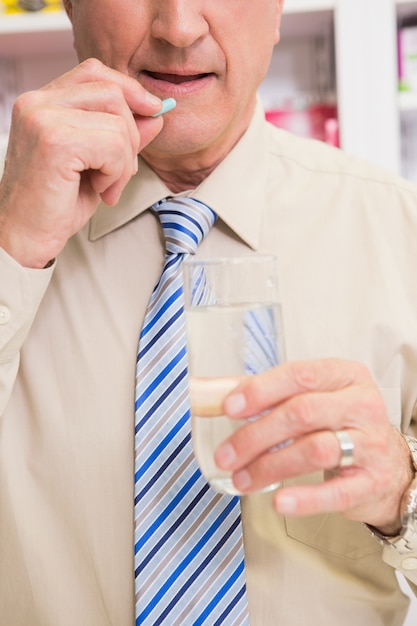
[210, 55]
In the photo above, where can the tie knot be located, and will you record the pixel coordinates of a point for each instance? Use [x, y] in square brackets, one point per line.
[185, 222]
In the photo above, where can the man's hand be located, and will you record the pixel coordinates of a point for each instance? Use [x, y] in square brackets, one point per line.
[305, 402]
[72, 143]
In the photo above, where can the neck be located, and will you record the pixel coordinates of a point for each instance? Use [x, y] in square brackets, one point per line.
[180, 176]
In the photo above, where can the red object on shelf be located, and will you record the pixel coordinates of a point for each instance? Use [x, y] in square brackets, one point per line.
[318, 121]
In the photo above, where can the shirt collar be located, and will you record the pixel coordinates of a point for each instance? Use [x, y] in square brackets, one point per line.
[238, 205]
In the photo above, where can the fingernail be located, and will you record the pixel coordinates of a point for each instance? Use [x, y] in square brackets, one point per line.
[153, 99]
[225, 455]
[242, 480]
[235, 404]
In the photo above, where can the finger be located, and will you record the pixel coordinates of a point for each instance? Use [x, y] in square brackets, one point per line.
[316, 452]
[260, 392]
[206, 394]
[101, 156]
[105, 98]
[110, 191]
[149, 128]
[97, 142]
[139, 100]
[357, 408]
[110, 171]
[102, 103]
[341, 494]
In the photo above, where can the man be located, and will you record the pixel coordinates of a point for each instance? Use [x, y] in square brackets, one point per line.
[77, 275]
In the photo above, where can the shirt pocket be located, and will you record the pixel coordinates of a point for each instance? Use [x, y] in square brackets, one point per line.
[334, 535]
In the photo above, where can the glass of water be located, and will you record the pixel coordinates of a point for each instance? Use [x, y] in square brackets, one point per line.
[234, 328]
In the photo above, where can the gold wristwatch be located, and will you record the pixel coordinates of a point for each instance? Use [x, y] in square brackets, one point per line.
[406, 542]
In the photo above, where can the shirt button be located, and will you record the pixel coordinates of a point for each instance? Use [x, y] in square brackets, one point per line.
[409, 564]
[5, 314]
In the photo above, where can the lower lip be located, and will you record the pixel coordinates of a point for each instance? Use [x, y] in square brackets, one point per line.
[166, 89]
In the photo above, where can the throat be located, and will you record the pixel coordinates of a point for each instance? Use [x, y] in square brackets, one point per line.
[180, 178]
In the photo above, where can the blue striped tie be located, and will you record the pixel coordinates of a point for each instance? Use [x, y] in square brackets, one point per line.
[189, 566]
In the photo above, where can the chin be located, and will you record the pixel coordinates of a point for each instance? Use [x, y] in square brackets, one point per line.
[180, 139]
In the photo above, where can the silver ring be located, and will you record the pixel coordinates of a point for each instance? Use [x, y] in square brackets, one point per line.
[347, 448]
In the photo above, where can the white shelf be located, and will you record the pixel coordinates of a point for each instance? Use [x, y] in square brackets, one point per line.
[35, 33]
[19, 23]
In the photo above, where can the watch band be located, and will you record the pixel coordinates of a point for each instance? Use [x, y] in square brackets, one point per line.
[412, 444]
[406, 542]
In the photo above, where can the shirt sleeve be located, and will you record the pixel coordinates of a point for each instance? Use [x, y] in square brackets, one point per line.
[21, 292]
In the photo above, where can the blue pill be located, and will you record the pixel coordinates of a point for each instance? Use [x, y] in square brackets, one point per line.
[167, 105]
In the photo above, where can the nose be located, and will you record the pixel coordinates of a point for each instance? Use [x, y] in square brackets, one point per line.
[179, 22]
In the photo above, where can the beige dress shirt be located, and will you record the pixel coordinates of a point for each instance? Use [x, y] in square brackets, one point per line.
[345, 235]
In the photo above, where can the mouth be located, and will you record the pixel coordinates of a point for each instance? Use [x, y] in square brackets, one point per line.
[174, 84]
[176, 79]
